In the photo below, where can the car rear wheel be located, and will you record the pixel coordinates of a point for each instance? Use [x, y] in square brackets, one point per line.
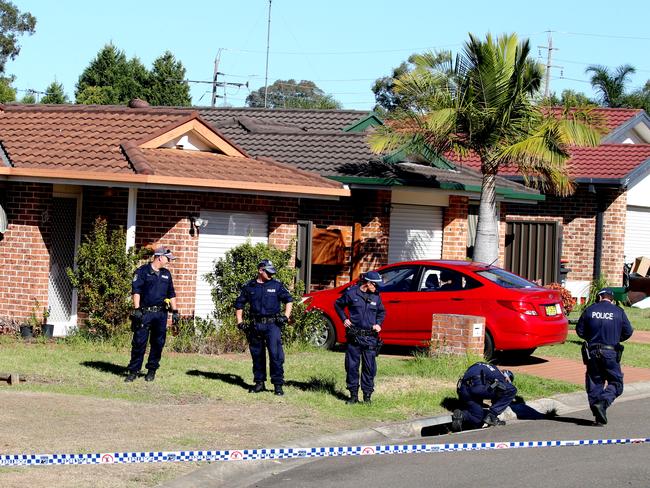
[488, 348]
[323, 333]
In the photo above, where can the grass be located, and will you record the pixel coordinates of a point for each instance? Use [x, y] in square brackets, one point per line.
[407, 385]
[634, 355]
[639, 318]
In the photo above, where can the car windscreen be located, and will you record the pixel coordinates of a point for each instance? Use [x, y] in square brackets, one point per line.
[505, 279]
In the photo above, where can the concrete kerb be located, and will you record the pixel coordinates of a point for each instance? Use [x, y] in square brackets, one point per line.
[234, 474]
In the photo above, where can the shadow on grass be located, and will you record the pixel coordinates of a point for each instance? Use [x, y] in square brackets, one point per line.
[505, 359]
[231, 379]
[322, 385]
[105, 367]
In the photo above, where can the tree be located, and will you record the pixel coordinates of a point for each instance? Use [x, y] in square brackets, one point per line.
[610, 85]
[13, 23]
[384, 89]
[166, 83]
[569, 98]
[54, 94]
[29, 98]
[481, 103]
[7, 92]
[112, 79]
[291, 94]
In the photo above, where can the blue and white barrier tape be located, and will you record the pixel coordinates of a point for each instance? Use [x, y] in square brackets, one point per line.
[287, 452]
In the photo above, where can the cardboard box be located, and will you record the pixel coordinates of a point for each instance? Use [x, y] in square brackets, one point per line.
[641, 266]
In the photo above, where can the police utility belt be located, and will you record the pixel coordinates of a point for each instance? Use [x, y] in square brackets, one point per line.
[154, 308]
[472, 380]
[261, 319]
[357, 331]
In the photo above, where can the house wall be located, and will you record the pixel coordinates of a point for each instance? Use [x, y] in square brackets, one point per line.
[454, 237]
[24, 253]
[577, 214]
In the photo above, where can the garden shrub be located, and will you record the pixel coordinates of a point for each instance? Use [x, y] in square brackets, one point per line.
[568, 302]
[103, 280]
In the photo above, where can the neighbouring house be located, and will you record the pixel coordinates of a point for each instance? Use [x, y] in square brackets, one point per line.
[603, 225]
[153, 171]
[398, 209]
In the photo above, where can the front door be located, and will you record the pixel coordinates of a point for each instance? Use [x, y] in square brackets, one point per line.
[62, 297]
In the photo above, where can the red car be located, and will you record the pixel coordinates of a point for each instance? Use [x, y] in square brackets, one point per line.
[519, 314]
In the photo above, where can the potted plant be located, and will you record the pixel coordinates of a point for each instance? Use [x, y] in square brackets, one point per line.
[32, 327]
[48, 329]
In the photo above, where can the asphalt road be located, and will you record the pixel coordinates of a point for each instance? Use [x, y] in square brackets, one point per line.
[550, 467]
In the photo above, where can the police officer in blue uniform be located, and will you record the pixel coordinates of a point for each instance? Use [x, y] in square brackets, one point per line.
[152, 285]
[603, 326]
[264, 295]
[480, 382]
[367, 313]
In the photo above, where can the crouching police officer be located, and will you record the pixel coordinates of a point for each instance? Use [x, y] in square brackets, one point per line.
[362, 333]
[264, 294]
[603, 326]
[152, 286]
[480, 382]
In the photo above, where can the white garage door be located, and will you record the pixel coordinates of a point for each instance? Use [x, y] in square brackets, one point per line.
[415, 233]
[637, 233]
[224, 231]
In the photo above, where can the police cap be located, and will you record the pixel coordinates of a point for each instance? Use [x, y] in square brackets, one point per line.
[267, 266]
[606, 292]
[373, 277]
[509, 374]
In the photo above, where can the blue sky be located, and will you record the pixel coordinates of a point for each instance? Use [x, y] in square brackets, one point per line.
[341, 45]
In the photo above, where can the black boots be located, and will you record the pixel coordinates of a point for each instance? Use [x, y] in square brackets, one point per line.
[354, 398]
[598, 409]
[366, 397]
[151, 375]
[259, 387]
[457, 421]
[277, 390]
[130, 377]
[492, 420]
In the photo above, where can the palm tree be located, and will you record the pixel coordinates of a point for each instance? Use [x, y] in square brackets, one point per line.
[481, 103]
[611, 86]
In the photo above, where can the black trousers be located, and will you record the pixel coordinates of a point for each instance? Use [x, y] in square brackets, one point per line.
[153, 330]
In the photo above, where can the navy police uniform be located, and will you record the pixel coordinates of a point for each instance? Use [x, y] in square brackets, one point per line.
[366, 309]
[153, 287]
[264, 300]
[603, 326]
[481, 382]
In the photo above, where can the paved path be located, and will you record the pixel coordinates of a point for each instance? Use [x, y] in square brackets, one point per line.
[642, 336]
[571, 371]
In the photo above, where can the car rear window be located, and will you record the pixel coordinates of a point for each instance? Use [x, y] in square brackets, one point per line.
[505, 279]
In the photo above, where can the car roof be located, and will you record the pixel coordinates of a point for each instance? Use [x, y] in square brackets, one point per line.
[470, 265]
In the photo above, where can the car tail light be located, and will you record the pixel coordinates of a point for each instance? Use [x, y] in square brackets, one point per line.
[526, 308]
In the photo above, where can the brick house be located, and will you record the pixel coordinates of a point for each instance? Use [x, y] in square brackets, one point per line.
[153, 171]
[605, 223]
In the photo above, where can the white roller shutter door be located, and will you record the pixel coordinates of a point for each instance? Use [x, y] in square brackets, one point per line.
[415, 233]
[224, 231]
[637, 233]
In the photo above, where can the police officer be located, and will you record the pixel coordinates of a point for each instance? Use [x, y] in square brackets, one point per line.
[603, 326]
[264, 294]
[367, 313]
[480, 382]
[152, 286]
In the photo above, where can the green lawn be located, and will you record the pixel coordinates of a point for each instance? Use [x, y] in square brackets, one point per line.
[640, 319]
[407, 386]
[634, 354]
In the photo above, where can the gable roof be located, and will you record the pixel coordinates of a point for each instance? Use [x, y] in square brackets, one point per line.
[326, 142]
[120, 145]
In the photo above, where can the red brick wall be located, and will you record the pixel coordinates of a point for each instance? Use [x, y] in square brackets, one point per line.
[453, 334]
[454, 237]
[577, 214]
[24, 255]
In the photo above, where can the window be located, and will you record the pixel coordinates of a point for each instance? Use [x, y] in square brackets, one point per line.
[398, 279]
[505, 279]
[443, 279]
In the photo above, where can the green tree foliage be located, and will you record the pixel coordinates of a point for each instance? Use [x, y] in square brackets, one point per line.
[54, 94]
[236, 268]
[103, 280]
[292, 94]
[7, 92]
[28, 98]
[112, 79]
[569, 98]
[482, 102]
[13, 23]
[610, 85]
[166, 85]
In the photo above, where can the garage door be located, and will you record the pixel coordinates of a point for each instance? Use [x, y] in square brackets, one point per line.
[224, 231]
[415, 233]
[637, 233]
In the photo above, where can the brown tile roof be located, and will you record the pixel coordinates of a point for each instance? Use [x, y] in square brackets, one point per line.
[611, 117]
[102, 140]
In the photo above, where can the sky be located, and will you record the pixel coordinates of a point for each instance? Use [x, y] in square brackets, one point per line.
[343, 46]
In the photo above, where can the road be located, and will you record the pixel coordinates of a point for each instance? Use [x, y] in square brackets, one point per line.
[550, 467]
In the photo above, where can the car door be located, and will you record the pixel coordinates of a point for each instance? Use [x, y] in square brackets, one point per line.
[397, 291]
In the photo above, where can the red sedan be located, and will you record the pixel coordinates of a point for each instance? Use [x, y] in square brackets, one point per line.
[519, 314]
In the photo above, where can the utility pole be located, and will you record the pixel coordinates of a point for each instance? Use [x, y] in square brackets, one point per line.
[266, 71]
[214, 78]
[549, 65]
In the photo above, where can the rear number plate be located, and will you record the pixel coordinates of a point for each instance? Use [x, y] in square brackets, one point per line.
[552, 310]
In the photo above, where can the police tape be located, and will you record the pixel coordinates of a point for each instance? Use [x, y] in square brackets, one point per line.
[288, 452]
